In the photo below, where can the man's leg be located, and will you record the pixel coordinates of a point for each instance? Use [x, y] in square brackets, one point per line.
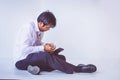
[23, 64]
[57, 63]
[56, 54]
[44, 60]
[51, 69]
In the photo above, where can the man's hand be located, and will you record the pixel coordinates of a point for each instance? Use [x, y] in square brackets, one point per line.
[49, 47]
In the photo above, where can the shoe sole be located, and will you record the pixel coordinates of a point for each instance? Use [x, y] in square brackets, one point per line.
[35, 70]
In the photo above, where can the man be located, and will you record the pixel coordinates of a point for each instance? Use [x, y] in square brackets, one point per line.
[34, 56]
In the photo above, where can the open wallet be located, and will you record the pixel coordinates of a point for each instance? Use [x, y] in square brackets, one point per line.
[58, 50]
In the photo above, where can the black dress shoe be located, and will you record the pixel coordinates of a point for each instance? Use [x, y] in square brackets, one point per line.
[85, 68]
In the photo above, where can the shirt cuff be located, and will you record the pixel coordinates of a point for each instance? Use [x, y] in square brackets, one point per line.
[41, 48]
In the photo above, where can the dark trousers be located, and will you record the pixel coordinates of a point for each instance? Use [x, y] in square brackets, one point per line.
[46, 62]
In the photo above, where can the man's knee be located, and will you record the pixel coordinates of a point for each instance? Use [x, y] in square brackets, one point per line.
[17, 65]
[20, 66]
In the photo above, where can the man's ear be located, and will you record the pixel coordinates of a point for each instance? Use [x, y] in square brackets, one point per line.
[40, 24]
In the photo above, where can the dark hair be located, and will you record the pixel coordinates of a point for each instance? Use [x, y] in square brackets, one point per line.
[47, 18]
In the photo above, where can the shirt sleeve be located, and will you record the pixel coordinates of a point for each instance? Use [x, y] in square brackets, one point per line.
[31, 49]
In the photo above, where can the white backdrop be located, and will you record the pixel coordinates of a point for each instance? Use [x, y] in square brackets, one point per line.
[88, 30]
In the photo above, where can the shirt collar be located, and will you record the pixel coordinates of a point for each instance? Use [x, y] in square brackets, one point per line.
[36, 27]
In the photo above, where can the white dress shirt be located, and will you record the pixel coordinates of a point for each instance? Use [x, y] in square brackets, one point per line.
[28, 40]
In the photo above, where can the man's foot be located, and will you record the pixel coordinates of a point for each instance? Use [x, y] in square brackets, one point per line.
[33, 69]
[85, 68]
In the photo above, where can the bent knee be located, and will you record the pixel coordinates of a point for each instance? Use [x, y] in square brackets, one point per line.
[20, 66]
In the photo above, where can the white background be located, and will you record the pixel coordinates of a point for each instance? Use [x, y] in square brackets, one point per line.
[88, 30]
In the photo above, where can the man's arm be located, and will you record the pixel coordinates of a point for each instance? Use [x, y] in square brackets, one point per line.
[25, 41]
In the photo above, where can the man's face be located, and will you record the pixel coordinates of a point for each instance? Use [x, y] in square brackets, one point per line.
[43, 27]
